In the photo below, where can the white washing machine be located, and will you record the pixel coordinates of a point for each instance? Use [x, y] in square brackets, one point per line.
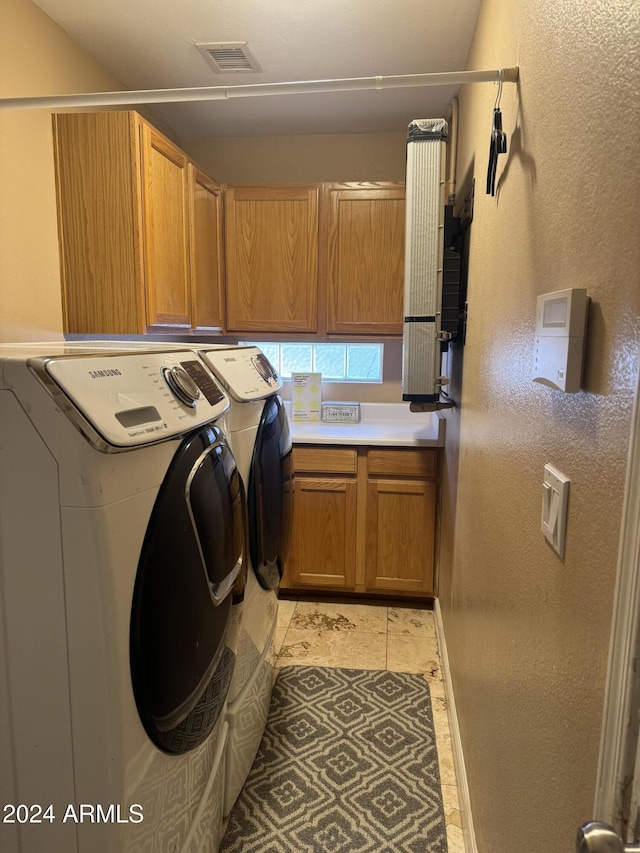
[121, 543]
[258, 432]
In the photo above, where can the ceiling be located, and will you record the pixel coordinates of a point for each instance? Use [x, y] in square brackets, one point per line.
[150, 44]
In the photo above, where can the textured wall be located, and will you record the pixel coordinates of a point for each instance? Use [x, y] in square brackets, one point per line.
[527, 633]
[38, 58]
[341, 157]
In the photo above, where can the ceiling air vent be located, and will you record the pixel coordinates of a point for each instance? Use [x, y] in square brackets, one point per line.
[229, 57]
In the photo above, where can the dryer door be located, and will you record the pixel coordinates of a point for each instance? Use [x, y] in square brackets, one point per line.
[181, 666]
[270, 494]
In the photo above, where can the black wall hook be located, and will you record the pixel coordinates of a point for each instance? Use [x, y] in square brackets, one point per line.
[497, 145]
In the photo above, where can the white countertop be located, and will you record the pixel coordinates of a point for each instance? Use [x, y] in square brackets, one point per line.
[389, 424]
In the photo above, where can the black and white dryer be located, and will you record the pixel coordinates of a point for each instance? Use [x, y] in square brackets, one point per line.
[258, 433]
[122, 537]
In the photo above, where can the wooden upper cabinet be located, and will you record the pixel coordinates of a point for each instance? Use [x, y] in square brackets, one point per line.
[365, 270]
[97, 165]
[139, 228]
[272, 258]
[207, 258]
[165, 198]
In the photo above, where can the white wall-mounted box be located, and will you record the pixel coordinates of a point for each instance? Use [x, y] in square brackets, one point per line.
[561, 322]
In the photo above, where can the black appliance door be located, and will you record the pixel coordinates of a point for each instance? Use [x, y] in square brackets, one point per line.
[181, 666]
[270, 495]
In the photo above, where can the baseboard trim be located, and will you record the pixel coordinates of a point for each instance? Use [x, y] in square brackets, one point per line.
[456, 742]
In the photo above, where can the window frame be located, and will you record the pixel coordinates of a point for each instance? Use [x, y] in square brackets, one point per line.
[267, 348]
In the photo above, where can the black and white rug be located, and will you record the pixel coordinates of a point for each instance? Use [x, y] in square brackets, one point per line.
[347, 764]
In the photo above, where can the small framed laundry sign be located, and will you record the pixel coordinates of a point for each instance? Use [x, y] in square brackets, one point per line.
[306, 396]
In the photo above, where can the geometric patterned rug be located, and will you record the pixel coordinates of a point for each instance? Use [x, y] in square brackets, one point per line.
[347, 764]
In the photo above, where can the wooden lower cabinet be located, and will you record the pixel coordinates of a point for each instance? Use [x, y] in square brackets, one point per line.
[323, 546]
[364, 521]
[400, 530]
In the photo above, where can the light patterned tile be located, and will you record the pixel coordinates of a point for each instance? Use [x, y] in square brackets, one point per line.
[324, 616]
[411, 622]
[349, 649]
[286, 610]
[278, 639]
[452, 815]
[455, 839]
[445, 760]
[451, 804]
[437, 690]
[440, 715]
[413, 654]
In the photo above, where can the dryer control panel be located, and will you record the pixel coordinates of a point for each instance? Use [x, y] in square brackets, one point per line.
[134, 398]
[245, 372]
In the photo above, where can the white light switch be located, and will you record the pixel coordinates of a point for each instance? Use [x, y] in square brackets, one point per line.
[555, 497]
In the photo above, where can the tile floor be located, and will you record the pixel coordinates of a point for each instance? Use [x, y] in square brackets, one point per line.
[364, 636]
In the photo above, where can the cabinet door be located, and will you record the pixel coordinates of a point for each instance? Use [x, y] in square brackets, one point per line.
[400, 535]
[165, 193]
[207, 254]
[271, 258]
[323, 544]
[97, 176]
[366, 259]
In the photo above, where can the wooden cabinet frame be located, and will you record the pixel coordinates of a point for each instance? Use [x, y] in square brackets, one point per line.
[166, 224]
[352, 282]
[322, 259]
[400, 535]
[98, 179]
[389, 498]
[271, 235]
[207, 251]
[365, 258]
[128, 225]
[325, 535]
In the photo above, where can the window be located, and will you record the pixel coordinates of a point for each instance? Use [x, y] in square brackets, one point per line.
[336, 362]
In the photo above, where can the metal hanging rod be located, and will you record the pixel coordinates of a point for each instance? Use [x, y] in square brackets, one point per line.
[252, 90]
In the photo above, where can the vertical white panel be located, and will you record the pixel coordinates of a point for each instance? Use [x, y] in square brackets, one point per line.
[421, 351]
[426, 151]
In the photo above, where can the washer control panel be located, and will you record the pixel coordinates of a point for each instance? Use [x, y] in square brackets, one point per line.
[245, 372]
[134, 398]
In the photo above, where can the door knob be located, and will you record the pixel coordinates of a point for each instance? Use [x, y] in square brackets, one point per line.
[599, 837]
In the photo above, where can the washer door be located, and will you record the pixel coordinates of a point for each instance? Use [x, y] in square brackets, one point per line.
[192, 554]
[270, 494]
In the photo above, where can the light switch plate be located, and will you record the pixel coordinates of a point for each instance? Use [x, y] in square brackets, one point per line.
[555, 498]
